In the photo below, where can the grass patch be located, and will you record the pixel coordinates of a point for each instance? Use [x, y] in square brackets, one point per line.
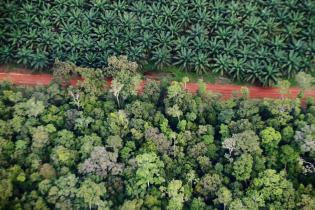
[178, 74]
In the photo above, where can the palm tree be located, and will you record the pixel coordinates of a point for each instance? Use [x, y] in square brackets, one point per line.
[184, 58]
[233, 20]
[155, 9]
[174, 27]
[224, 33]
[292, 64]
[45, 11]
[115, 32]
[237, 68]
[282, 14]
[253, 23]
[99, 32]
[59, 14]
[216, 19]
[89, 59]
[5, 54]
[136, 53]
[291, 30]
[100, 4]
[90, 15]
[181, 42]
[230, 47]
[253, 71]
[109, 18]
[222, 64]
[251, 8]
[103, 44]
[216, 46]
[245, 51]
[277, 42]
[139, 7]
[199, 4]
[63, 2]
[198, 30]
[74, 43]
[161, 57]
[46, 39]
[88, 44]
[202, 16]
[298, 45]
[239, 35]
[31, 37]
[144, 23]
[59, 42]
[147, 39]
[200, 43]
[73, 3]
[23, 56]
[118, 46]
[297, 17]
[179, 4]
[258, 39]
[129, 36]
[15, 38]
[201, 62]
[75, 15]
[28, 21]
[158, 24]
[126, 20]
[12, 22]
[219, 6]
[164, 39]
[67, 28]
[271, 25]
[185, 17]
[233, 7]
[72, 57]
[279, 56]
[167, 12]
[269, 75]
[263, 54]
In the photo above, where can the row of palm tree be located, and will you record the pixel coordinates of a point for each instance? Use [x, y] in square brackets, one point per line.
[228, 37]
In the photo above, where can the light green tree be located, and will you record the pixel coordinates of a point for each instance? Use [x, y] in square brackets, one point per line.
[272, 190]
[270, 138]
[91, 193]
[305, 81]
[224, 196]
[149, 171]
[175, 192]
[242, 167]
[124, 85]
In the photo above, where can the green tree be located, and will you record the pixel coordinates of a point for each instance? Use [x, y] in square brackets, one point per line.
[271, 189]
[92, 193]
[149, 171]
[242, 167]
[62, 192]
[125, 85]
[175, 192]
[224, 196]
[270, 138]
[118, 123]
[209, 185]
[245, 142]
[305, 81]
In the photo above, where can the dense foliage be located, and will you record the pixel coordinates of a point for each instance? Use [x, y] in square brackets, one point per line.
[86, 148]
[253, 40]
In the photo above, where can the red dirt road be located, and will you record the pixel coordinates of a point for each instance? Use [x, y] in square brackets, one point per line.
[225, 90]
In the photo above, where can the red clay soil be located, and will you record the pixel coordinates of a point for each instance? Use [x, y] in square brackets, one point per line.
[225, 90]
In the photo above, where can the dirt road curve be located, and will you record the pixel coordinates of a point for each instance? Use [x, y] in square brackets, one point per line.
[225, 90]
